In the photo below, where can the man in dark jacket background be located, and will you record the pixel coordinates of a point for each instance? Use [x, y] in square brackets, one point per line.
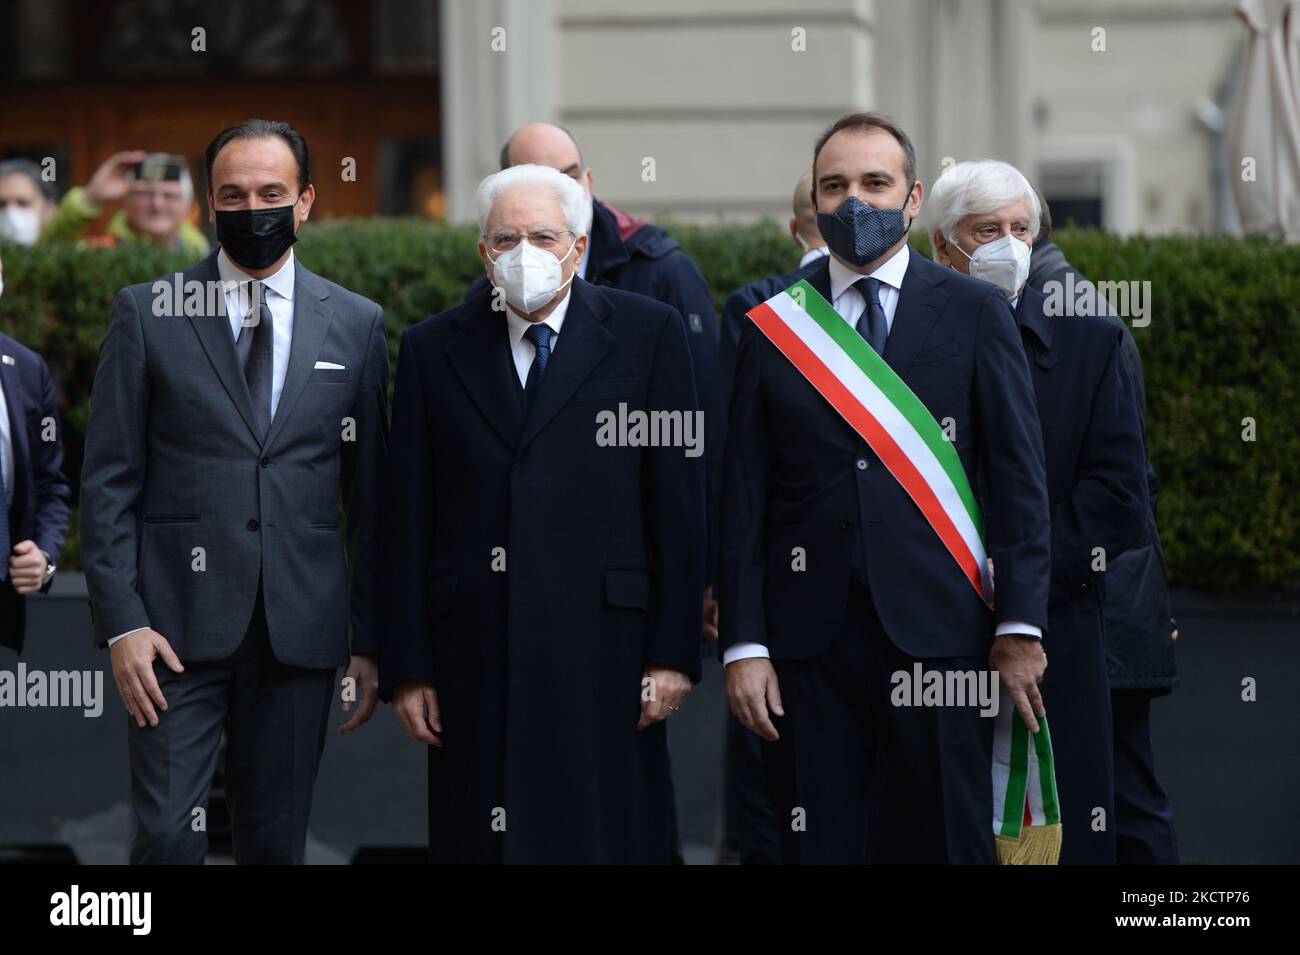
[34, 496]
[1140, 631]
[750, 834]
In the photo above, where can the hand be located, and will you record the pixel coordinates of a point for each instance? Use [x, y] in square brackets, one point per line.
[752, 691]
[416, 706]
[710, 616]
[365, 671]
[1021, 662]
[27, 567]
[133, 658]
[668, 690]
[110, 182]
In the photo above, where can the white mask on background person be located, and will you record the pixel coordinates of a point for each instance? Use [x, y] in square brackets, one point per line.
[1004, 262]
[530, 276]
[22, 226]
[2, 285]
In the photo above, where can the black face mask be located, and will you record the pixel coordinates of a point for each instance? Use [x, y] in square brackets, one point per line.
[256, 238]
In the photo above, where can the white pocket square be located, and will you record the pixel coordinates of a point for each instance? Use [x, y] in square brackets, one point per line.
[329, 364]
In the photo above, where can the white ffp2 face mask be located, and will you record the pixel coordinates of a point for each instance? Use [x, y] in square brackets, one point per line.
[1004, 262]
[530, 276]
[22, 226]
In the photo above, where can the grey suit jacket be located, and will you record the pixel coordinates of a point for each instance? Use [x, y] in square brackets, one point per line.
[184, 511]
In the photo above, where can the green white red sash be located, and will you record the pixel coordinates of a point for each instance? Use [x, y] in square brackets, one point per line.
[1026, 815]
[879, 406]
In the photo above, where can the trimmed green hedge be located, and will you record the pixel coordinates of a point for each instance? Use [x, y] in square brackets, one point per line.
[1223, 345]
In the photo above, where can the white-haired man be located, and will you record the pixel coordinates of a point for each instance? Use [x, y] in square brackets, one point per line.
[546, 563]
[985, 217]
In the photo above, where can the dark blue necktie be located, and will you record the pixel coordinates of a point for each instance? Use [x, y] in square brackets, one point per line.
[871, 325]
[540, 336]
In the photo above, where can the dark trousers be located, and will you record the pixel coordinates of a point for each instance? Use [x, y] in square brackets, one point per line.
[274, 717]
[1076, 693]
[856, 779]
[1144, 816]
[750, 835]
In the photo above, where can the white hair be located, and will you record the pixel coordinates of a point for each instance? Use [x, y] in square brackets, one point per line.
[573, 198]
[975, 188]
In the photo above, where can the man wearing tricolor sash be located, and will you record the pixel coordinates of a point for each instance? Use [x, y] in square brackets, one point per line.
[868, 402]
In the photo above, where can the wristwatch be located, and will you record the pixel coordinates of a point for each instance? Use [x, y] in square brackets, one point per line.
[50, 568]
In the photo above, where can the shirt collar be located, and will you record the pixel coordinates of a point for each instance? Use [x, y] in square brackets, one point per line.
[891, 273]
[812, 255]
[281, 282]
[518, 324]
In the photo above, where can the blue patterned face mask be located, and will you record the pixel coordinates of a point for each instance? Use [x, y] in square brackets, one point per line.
[860, 233]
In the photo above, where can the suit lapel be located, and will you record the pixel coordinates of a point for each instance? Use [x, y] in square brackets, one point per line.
[311, 323]
[1032, 318]
[480, 357]
[583, 341]
[219, 344]
[919, 302]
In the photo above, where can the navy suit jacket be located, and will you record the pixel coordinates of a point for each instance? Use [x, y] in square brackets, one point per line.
[734, 311]
[1096, 465]
[794, 480]
[41, 497]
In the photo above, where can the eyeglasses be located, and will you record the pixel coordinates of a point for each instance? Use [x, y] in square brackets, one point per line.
[548, 240]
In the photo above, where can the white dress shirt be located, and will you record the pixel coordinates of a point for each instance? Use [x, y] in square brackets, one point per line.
[277, 292]
[521, 349]
[813, 254]
[850, 304]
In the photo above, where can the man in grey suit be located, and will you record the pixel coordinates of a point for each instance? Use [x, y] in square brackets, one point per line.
[236, 405]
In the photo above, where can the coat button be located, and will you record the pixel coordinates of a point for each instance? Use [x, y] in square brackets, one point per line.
[266, 462]
[846, 523]
[252, 524]
[1083, 587]
[862, 464]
